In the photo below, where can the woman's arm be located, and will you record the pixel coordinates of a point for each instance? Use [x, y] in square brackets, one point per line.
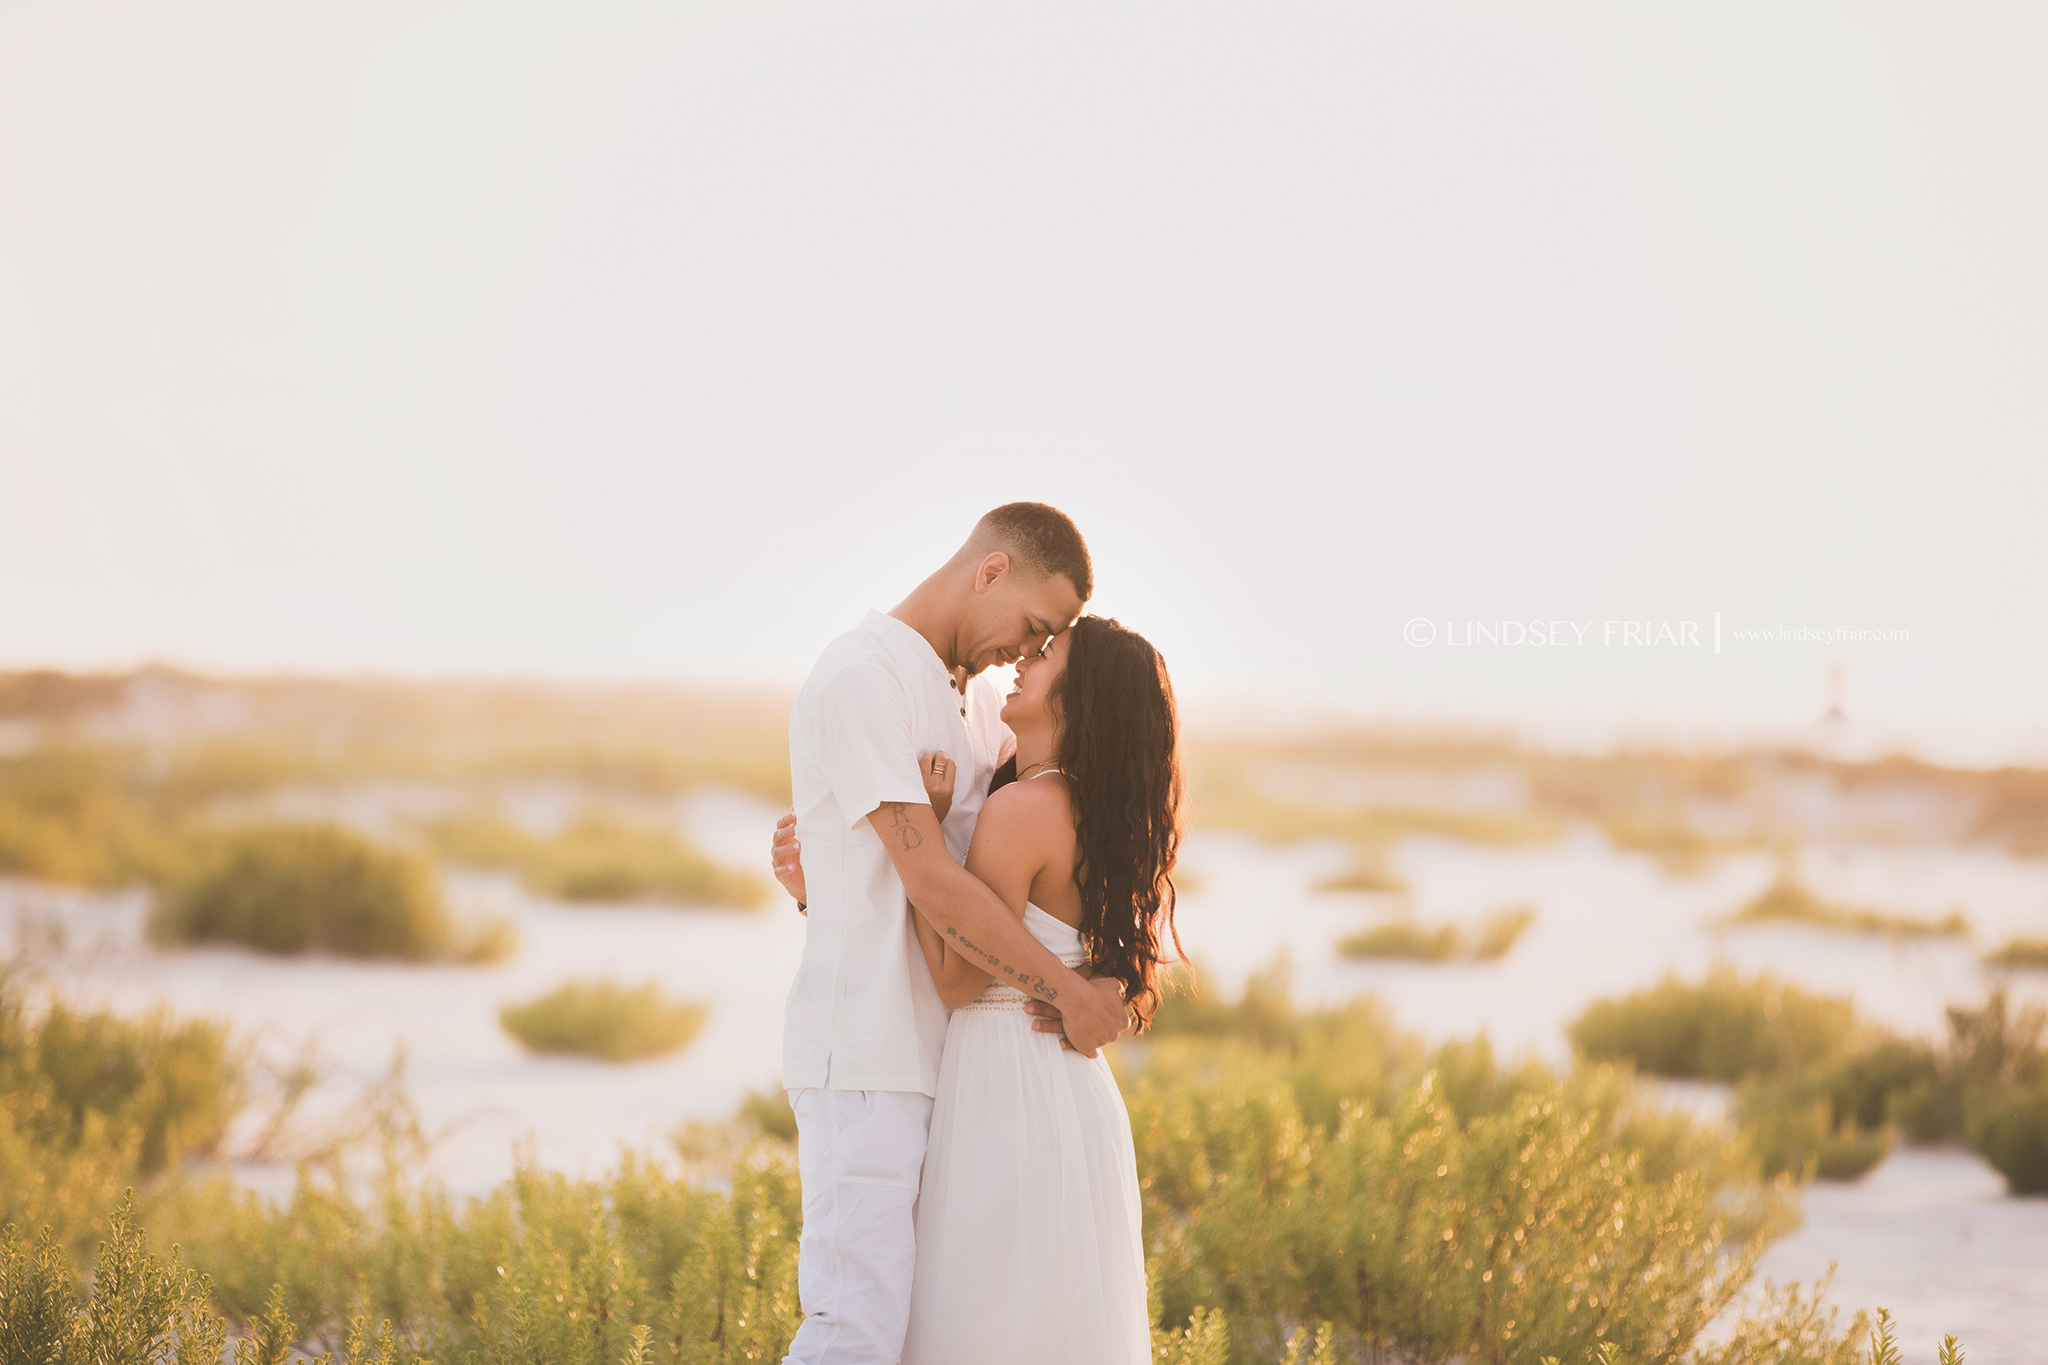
[1008, 851]
[957, 980]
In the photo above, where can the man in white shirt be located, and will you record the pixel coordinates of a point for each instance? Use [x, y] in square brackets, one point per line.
[864, 1026]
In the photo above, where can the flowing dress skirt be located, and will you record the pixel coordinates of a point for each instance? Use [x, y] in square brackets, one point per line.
[1029, 1246]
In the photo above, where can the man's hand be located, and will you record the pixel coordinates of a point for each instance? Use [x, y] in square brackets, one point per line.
[787, 856]
[1107, 992]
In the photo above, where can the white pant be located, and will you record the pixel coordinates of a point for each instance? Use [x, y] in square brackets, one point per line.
[860, 1153]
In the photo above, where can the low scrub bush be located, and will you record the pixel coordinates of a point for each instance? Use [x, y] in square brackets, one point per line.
[1404, 939]
[1225, 795]
[1788, 900]
[75, 815]
[93, 1102]
[1791, 1131]
[770, 1111]
[1676, 845]
[1498, 933]
[301, 888]
[596, 858]
[2010, 1131]
[606, 1020]
[1495, 937]
[1517, 1232]
[1723, 1028]
[1439, 1205]
[1820, 1092]
[600, 859]
[2020, 954]
[1369, 873]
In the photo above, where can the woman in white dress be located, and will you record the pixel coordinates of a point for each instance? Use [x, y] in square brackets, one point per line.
[1029, 1245]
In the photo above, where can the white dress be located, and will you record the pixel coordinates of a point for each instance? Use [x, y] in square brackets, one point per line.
[1029, 1248]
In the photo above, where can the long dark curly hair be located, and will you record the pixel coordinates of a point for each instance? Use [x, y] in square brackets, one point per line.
[1120, 751]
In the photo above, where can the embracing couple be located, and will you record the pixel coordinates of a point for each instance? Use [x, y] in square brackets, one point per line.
[970, 1190]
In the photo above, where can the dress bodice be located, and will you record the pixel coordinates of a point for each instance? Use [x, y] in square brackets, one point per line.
[1061, 939]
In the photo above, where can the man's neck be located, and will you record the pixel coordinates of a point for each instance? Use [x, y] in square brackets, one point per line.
[927, 612]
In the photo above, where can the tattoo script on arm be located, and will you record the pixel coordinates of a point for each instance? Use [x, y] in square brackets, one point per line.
[900, 826]
[1026, 981]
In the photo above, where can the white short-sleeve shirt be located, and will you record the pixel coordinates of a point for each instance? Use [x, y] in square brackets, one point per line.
[863, 1013]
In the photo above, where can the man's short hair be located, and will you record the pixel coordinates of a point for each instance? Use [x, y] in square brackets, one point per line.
[1043, 539]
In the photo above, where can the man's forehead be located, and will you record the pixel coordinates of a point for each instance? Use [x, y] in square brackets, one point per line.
[1056, 600]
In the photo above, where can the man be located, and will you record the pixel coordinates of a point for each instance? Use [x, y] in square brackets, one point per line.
[864, 1026]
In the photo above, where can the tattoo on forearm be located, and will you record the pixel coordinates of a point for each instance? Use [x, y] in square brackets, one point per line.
[1025, 980]
[899, 822]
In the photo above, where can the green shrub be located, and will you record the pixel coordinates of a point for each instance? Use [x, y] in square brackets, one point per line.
[93, 1102]
[1494, 939]
[600, 859]
[1404, 939]
[1520, 1232]
[142, 1309]
[1789, 900]
[1676, 845]
[544, 1268]
[2022, 954]
[75, 815]
[769, 1110]
[1724, 1028]
[481, 837]
[597, 859]
[1499, 933]
[1458, 1209]
[604, 1019]
[1264, 1014]
[1790, 1130]
[300, 888]
[2010, 1131]
[1369, 873]
[1892, 1081]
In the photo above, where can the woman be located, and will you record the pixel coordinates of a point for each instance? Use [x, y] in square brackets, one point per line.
[1028, 1240]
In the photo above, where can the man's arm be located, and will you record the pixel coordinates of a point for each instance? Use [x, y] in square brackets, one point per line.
[975, 922]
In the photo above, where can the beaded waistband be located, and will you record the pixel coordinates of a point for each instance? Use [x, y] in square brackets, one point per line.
[1004, 998]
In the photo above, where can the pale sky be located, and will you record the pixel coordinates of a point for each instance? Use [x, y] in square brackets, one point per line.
[658, 341]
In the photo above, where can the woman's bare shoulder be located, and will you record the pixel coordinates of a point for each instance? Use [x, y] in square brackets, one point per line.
[1028, 808]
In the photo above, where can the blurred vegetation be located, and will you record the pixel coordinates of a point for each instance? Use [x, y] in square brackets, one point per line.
[1817, 1089]
[770, 1112]
[606, 1020]
[1662, 803]
[1724, 1028]
[1369, 873]
[1406, 938]
[1677, 846]
[595, 858]
[85, 816]
[2023, 954]
[109, 811]
[1220, 799]
[315, 888]
[91, 1102]
[1789, 900]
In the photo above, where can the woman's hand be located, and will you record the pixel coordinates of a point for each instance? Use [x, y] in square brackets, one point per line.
[786, 855]
[939, 774]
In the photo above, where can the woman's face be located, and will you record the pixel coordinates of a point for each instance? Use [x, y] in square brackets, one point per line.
[1031, 699]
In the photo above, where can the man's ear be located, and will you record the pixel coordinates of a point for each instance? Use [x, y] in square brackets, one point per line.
[994, 568]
